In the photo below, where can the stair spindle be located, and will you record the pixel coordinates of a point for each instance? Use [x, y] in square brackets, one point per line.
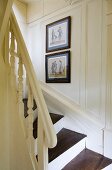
[42, 149]
[30, 121]
[12, 57]
[7, 45]
[20, 80]
[20, 93]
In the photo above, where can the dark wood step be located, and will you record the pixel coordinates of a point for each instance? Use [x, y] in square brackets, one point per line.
[54, 117]
[88, 160]
[65, 139]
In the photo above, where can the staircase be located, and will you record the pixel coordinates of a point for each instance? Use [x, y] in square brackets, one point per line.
[70, 153]
[49, 147]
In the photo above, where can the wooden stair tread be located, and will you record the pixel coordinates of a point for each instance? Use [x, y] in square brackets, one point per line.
[54, 117]
[88, 160]
[65, 139]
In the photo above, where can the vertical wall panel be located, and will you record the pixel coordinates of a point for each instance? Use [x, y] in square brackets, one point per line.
[109, 78]
[93, 60]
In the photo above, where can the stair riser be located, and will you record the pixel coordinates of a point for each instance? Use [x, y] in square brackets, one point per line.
[59, 125]
[67, 156]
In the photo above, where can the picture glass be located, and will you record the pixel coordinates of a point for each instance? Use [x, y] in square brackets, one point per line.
[58, 67]
[58, 35]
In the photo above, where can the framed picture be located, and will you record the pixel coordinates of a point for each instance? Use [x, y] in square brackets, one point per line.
[58, 35]
[57, 67]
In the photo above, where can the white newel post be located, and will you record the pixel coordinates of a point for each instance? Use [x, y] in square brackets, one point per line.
[42, 148]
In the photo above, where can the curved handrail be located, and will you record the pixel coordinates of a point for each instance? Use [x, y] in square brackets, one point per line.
[35, 86]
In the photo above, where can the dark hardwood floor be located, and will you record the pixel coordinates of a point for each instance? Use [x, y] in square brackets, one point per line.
[88, 160]
[65, 139]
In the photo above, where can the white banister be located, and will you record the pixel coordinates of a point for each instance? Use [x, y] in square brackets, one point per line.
[19, 63]
[46, 133]
[51, 138]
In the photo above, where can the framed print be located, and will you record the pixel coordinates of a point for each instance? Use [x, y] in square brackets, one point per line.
[57, 67]
[58, 35]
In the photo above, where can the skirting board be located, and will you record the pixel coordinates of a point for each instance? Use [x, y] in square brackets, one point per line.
[108, 143]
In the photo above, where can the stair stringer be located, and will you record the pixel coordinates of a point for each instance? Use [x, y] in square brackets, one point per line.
[75, 118]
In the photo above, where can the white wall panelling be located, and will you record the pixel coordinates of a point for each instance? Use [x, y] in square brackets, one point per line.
[20, 10]
[109, 69]
[90, 66]
[43, 8]
[94, 58]
[109, 80]
[87, 61]
[72, 89]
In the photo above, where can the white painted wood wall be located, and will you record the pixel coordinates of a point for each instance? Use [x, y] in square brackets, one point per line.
[108, 130]
[88, 85]
[91, 69]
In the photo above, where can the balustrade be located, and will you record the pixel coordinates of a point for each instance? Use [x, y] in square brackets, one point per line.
[46, 133]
